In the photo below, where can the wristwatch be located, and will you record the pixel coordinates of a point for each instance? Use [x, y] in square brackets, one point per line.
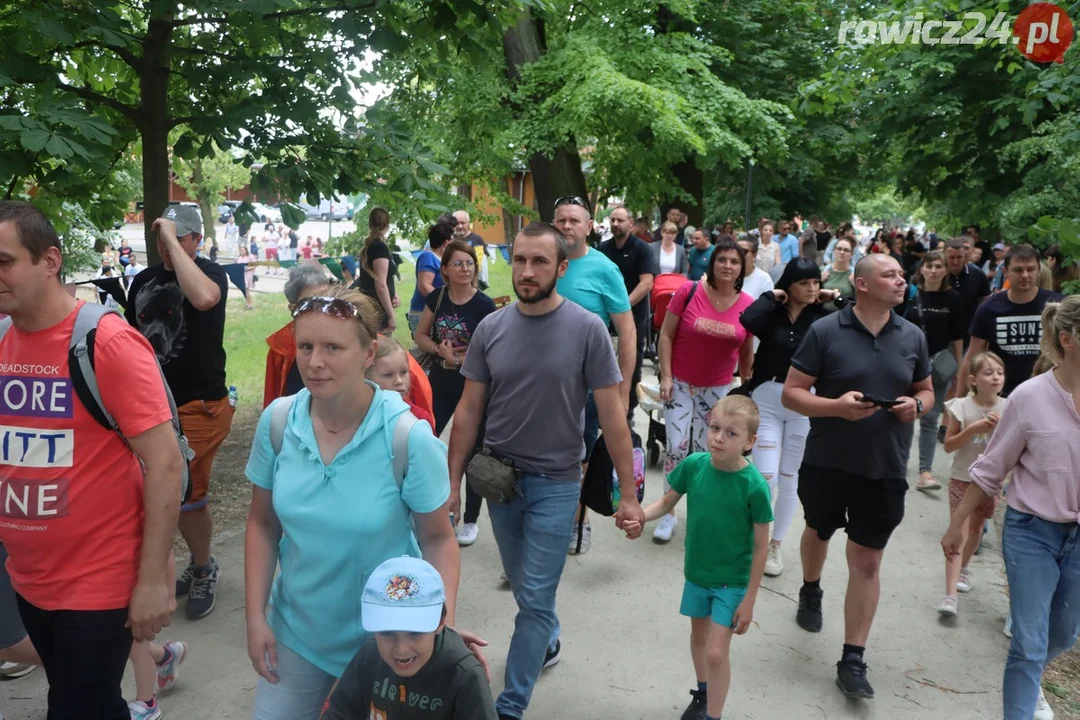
[918, 406]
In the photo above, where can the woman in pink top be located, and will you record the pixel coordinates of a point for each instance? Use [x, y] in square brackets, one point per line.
[1038, 440]
[701, 343]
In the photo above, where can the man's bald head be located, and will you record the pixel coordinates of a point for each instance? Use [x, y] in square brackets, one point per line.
[872, 264]
[462, 224]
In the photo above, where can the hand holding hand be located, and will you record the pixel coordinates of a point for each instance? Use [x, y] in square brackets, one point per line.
[630, 511]
[151, 606]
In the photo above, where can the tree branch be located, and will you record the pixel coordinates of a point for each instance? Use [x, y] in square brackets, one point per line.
[275, 15]
[11, 187]
[131, 113]
[123, 53]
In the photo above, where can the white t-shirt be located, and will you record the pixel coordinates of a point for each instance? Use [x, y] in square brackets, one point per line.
[966, 412]
[756, 283]
[667, 260]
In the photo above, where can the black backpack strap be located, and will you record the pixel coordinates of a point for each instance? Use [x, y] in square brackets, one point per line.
[693, 290]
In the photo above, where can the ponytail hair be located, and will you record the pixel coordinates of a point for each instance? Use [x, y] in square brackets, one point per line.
[378, 223]
[1057, 318]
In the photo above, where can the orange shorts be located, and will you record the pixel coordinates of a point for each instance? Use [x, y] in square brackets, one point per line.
[984, 510]
[206, 423]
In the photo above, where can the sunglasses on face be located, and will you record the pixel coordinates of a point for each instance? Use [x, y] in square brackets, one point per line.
[573, 200]
[336, 307]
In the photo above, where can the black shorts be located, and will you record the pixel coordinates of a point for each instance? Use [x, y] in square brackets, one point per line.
[869, 509]
[11, 628]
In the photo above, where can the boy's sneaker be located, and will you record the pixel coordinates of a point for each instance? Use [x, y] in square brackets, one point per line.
[183, 583]
[12, 670]
[467, 534]
[809, 614]
[964, 583]
[665, 529]
[1043, 711]
[696, 710]
[142, 711]
[774, 563]
[203, 593]
[586, 540]
[169, 670]
[948, 606]
[551, 657]
[851, 679]
[1007, 630]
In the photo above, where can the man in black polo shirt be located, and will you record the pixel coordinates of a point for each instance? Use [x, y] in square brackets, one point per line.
[855, 467]
[631, 254]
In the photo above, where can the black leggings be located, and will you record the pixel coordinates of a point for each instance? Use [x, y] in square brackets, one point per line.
[84, 653]
[446, 392]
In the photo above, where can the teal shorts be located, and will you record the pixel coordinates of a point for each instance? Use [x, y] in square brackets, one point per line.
[719, 603]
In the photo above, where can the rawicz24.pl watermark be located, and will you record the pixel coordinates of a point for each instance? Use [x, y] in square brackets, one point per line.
[1041, 32]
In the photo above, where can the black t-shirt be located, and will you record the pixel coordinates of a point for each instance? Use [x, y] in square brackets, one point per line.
[823, 239]
[365, 281]
[475, 240]
[188, 342]
[294, 239]
[973, 286]
[1013, 332]
[941, 317]
[633, 259]
[769, 322]
[455, 323]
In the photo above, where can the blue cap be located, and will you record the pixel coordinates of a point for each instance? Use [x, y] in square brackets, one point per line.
[404, 594]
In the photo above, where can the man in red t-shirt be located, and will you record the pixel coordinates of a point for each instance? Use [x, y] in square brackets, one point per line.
[87, 529]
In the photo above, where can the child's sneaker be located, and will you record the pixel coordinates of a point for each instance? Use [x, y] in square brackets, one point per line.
[142, 711]
[665, 529]
[964, 583]
[1007, 630]
[696, 710]
[467, 534]
[948, 606]
[586, 540]
[169, 670]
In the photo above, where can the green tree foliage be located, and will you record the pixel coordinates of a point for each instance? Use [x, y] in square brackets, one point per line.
[207, 179]
[82, 81]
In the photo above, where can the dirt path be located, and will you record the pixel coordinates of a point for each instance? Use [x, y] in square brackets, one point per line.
[625, 649]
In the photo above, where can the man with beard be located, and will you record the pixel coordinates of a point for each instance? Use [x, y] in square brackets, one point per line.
[631, 255]
[861, 426]
[594, 282]
[179, 306]
[546, 354]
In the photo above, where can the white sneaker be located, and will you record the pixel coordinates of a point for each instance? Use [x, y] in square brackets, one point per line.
[774, 564]
[586, 540]
[948, 606]
[467, 534]
[1007, 630]
[1043, 711]
[665, 529]
[964, 583]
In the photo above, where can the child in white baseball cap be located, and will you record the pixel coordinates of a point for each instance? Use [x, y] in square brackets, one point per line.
[415, 666]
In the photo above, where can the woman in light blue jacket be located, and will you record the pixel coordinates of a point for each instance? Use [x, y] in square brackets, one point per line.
[330, 504]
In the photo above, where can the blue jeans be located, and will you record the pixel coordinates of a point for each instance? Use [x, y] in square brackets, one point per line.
[1042, 562]
[928, 429]
[533, 532]
[299, 694]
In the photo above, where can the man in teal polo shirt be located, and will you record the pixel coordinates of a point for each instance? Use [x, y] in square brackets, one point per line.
[595, 283]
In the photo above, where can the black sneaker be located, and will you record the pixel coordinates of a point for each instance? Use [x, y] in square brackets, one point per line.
[551, 657]
[809, 614]
[203, 594]
[183, 583]
[941, 434]
[697, 708]
[851, 679]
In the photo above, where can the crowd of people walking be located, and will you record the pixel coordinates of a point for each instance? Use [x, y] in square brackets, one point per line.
[784, 382]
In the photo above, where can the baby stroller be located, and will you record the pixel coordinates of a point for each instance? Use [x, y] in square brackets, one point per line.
[663, 290]
[649, 401]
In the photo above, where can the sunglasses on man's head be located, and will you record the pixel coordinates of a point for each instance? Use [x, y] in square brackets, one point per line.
[341, 309]
[573, 200]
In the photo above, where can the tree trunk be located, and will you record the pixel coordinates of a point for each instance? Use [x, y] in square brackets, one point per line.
[205, 206]
[692, 180]
[153, 91]
[509, 231]
[560, 174]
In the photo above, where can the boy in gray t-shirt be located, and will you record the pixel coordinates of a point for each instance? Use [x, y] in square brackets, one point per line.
[539, 369]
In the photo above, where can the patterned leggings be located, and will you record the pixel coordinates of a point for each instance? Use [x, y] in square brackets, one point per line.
[686, 421]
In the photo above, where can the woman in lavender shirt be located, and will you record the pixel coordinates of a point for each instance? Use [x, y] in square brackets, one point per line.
[1036, 440]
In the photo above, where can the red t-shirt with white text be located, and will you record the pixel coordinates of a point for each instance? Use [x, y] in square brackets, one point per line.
[71, 493]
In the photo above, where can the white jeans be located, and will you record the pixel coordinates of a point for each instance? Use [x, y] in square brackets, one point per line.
[686, 421]
[778, 452]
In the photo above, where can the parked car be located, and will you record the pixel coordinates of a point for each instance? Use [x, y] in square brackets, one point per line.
[272, 214]
[226, 210]
[326, 210]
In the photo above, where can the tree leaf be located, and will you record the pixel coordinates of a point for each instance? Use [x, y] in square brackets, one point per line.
[34, 139]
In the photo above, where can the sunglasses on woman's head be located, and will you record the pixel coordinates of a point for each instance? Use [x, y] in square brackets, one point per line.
[341, 309]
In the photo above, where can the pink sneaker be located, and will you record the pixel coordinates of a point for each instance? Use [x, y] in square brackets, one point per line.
[169, 671]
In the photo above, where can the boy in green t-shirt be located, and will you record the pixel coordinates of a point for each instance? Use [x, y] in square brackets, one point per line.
[727, 541]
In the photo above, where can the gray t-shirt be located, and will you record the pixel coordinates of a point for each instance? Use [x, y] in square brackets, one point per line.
[539, 370]
[841, 353]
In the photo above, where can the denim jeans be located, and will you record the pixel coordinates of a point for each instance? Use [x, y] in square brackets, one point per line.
[928, 429]
[299, 694]
[1042, 562]
[533, 532]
